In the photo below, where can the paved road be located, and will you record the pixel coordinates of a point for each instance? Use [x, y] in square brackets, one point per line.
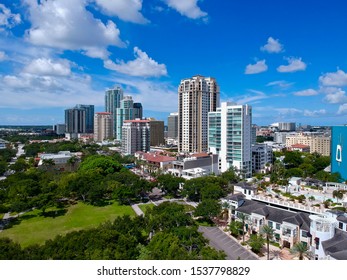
[221, 241]
[137, 210]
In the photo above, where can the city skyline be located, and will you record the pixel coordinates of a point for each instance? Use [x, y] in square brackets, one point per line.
[287, 60]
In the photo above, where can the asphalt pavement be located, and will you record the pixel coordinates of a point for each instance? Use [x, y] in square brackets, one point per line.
[221, 241]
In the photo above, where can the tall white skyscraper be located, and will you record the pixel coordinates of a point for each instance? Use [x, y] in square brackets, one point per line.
[196, 97]
[230, 136]
[123, 113]
[112, 102]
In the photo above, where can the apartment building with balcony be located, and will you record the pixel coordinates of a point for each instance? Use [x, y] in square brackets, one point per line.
[325, 234]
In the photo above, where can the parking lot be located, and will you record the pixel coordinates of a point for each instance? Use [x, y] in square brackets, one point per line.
[220, 241]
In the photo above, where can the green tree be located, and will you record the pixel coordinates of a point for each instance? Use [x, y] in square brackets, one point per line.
[208, 209]
[3, 167]
[243, 218]
[256, 242]
[301, 250]
[211, 191]
[338, 194]
[293, 159]
[294, 172]
[20, 165]
[307, 169]
[100, 164]
[169, 183]
[235, 228]
[10, 250]
[166, 216]
[268, 232]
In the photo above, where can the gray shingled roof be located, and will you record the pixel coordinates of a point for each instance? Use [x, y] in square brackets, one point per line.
[236, 196]
[342, 218]
[336, 246]
[275, 214]
[246, 186]
[249, 206]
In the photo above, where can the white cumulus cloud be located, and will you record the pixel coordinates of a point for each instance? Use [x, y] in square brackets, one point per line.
[2, 56]
[188, 8]
[335, 79]
[294, 65]
[342, 109]
[143, 66]
[272, 46]
[127, 10]
[28, 91]
[258, 67]
[44, 66]
[306, 92]
[335, 95]
[7, 18]
[66, 24]
[315, 113]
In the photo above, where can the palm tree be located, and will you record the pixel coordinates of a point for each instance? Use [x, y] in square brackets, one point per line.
[277, 255]
[243, 218]
[225, 213]
[269, 233]
[338, 194]
[300, 249]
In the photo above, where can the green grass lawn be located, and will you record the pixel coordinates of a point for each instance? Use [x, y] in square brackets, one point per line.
[34, 228]
[1, 216]
[144, 207]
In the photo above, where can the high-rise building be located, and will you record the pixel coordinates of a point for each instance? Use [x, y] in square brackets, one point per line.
[103, 126]
[339, 150]
[138, 114]
[172, 126]
[75, 120]
[157, 132]
[261, 158]
[286, 126]
[135, 136]
[59, 129]
[123, 113]
[230, 129]
[196, 97]
[89, 116]
[112, 102]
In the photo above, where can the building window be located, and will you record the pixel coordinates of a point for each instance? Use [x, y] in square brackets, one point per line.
[340, 225]
[304, 233]
[270, 224]
[316, 240]
[278, 226]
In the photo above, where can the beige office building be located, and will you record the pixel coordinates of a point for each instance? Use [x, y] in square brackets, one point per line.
[196, 97]
[318, 143]
[103, 126]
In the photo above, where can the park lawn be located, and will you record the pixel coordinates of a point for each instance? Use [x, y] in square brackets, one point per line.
[36, 229]
[144, 207]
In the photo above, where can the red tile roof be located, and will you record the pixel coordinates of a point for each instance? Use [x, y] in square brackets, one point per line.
[200, 155]
[136, 121]
[103, 113]
[157, 158]
[300, 146]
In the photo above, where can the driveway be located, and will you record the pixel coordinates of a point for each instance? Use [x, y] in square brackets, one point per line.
[221, 241]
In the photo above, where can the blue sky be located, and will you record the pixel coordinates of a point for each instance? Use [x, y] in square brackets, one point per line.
[288, 59]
